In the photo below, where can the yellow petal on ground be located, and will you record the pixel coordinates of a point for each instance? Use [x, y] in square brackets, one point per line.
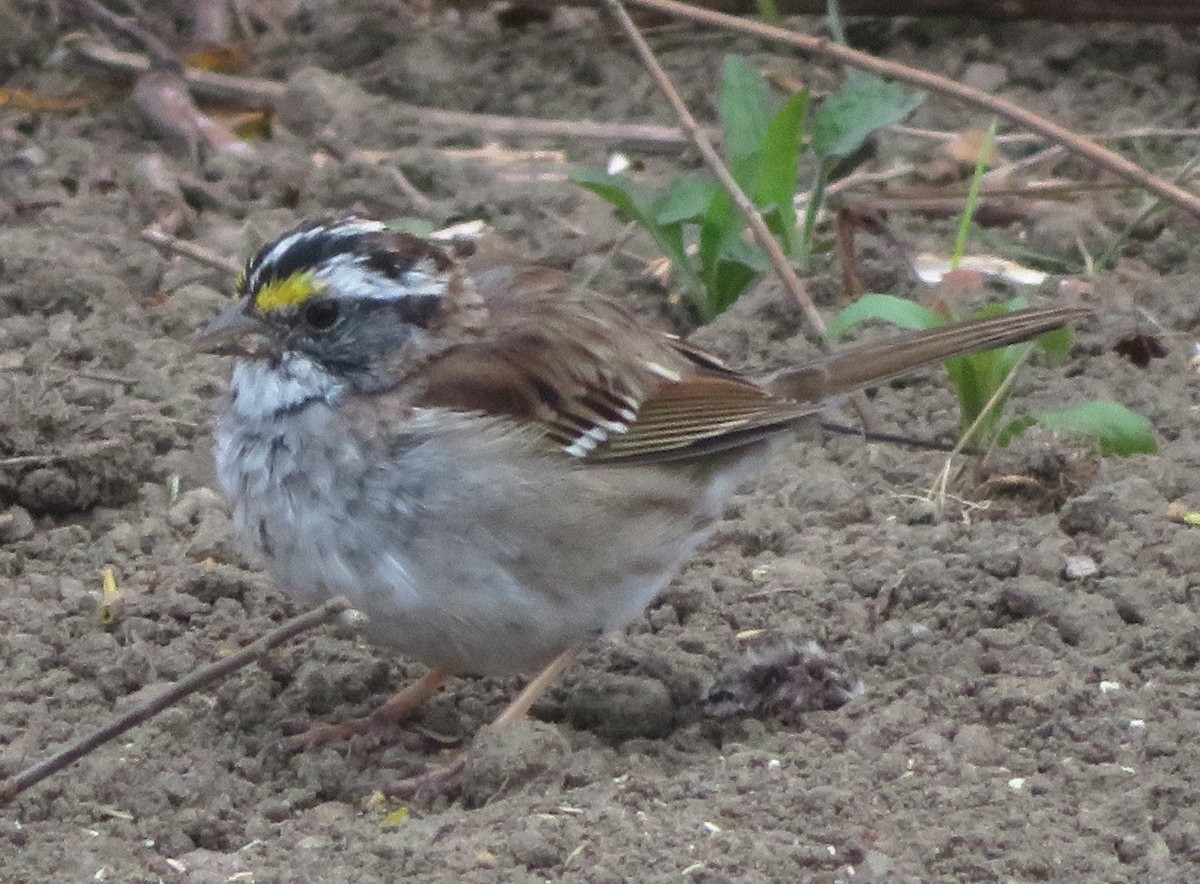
[109, 607]
[397, 817]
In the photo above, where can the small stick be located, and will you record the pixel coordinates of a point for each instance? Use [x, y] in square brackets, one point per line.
[645, 135]
[1176, 12]
[198, 680]
[1032, 137]
[161, 91]
[420, 201]
[758, 226]
[257, 91]
[159, 52]
[260, 91]
[197, 253]
[891, 438]
[24, 460]
[1051, 131]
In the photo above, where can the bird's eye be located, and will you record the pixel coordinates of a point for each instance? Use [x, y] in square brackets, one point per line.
[321, 315]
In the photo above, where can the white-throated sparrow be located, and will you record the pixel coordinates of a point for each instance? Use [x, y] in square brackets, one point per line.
[494, 470]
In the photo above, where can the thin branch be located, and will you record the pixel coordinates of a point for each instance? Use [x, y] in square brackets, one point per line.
[198, 680]
[1137, 132]
[758, 227]
[197, 253]
[160, 90]
[823, 48]
[160, 53]
[891, 438]
[26, 460]
[644, 135]
[257, 91]
[1177, 12]
[419, 200]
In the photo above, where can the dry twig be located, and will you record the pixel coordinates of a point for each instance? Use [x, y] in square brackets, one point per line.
[198, 680]
[161, 91]
[27, 460]
[824, 48]
[256, 92]
[1177, 12]
[197, 253]
[160, 54]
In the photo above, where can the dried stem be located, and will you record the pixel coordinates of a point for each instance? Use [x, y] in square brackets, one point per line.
[257, 91]
[758, 227]
[1084, 147]
[198, 680]
[1137, 132]
[159, 52]
[27, 460]
[1177, 12]
[197, 253]
[644, 135]
[161, 91]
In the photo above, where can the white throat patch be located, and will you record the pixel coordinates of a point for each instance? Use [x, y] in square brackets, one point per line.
[261, 389]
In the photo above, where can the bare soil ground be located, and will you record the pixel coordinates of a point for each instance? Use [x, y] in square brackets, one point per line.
[1019, 720]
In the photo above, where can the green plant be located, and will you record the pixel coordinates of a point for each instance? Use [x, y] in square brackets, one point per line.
[694, 221]
[980, 378]
[968, 213]
[982, 381]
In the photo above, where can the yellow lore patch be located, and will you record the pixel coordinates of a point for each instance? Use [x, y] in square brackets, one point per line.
[289, 292]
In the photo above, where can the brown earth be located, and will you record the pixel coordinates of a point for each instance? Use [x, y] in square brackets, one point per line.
[1019, 719]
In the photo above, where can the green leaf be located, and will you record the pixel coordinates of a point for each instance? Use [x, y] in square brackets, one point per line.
[728, 281]
[968, 213]
[642, 205]
[745, 108]
[1115, 428]
[1013, 429]
[687, 200]
[633, 199]
[779, 173]
[864, 104]
[889, 308]
[1058, 342]
[734, 248]
[728, 264]
[977, 377]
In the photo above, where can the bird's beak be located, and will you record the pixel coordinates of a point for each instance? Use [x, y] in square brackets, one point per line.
[223, 334]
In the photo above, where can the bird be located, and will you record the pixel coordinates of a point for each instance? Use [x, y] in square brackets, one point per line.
[494, 469]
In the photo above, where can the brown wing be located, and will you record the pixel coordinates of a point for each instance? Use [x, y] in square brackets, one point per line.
[601, 387]
[698, 415]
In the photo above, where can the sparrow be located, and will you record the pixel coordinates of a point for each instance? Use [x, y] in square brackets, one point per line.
[492, 468]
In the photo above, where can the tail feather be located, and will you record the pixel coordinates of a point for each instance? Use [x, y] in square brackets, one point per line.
[876, 362]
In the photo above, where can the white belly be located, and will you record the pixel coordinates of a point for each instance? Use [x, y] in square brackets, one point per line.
[457, 557]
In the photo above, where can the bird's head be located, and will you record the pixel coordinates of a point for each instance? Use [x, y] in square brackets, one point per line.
[346, 293]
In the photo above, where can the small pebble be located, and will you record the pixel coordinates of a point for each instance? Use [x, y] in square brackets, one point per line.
[15, 524]
[1080, 568]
